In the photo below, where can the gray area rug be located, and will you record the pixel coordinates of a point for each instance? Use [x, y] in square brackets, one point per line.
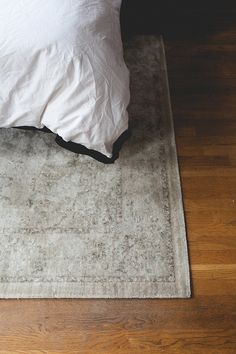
[73, 227]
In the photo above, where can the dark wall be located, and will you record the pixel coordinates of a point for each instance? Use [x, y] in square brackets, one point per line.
[174, 18]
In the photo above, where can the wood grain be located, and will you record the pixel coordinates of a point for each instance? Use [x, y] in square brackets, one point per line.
[202, 73]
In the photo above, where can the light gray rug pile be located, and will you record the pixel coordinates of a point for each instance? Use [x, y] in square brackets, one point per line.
[73, 227]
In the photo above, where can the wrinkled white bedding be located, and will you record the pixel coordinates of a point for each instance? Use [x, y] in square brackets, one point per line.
[62, 67]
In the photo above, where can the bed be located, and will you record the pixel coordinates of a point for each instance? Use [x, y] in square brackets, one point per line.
[62, 70]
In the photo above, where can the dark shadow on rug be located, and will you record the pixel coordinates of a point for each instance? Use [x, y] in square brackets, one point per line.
[81, 149]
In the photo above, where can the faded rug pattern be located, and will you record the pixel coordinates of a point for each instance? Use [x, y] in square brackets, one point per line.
[73, 227]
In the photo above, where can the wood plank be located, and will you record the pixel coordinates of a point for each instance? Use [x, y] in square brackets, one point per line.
[64, 326]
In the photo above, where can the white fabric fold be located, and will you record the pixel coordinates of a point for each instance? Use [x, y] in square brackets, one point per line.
[62, 67]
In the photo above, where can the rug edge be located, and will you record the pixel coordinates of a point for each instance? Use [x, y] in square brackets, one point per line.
[183, 279]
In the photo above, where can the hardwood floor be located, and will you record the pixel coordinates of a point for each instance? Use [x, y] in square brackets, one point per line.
[202, 74]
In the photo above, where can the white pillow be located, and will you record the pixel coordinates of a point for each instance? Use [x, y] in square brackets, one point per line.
[62, 67]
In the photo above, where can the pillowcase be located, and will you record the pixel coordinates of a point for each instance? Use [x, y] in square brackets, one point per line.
[62, 67]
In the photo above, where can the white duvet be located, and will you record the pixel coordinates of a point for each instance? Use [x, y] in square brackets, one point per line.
[62, 67]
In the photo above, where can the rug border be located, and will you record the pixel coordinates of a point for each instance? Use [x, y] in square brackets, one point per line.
[178, 289]
[178, 223]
